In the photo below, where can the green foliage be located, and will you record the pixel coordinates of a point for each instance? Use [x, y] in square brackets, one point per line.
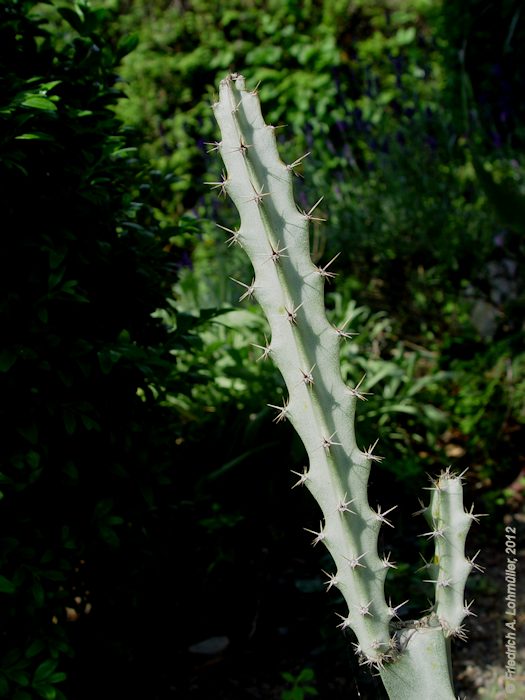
[364, 80]
[485, 403]
[302, 685]
[400, 383]
[84, 362]
[483, 50]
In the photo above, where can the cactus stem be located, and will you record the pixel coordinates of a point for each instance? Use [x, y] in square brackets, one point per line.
[381, 516]
[413, 661]
[303, 478]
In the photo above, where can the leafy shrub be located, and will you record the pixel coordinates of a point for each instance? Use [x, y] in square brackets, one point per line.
[87, 446]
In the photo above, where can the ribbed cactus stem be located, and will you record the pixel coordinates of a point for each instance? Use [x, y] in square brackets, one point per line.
[305, 347]
[450, 568]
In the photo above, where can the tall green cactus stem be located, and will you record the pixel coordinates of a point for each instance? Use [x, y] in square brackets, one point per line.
[412, 657]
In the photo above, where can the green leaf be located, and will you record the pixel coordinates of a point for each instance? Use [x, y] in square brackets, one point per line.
[49, 85]
[127, 44]
[46, 691]
[45, 669]
[7, 360]
[109, 536]
[34, 648]
[39, 102]
[4, 687]
[57, 677]
[35, 136]
[107, 359]
[75, 19]
[20, 677]
[306, 674]
[6, 586]
[56, 257]
[33, 459]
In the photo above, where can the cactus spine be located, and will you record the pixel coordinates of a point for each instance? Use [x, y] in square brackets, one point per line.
[413, 658]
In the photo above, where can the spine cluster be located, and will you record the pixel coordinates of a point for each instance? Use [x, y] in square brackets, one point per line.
[321, 407]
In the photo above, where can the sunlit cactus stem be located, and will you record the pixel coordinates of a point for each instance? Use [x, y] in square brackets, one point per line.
[412, 657]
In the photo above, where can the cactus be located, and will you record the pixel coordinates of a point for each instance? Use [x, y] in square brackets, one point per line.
[413, 658]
